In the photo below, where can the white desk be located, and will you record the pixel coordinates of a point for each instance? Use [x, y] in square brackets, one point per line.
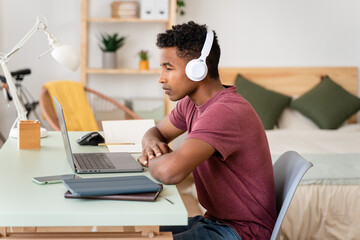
[24, 203]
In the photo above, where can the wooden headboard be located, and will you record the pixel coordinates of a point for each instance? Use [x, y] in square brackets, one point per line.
[293, 81]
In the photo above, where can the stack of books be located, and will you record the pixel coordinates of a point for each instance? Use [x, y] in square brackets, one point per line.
[125, 9]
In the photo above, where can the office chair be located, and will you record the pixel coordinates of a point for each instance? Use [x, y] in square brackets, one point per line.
[288, 172]
[103, 108]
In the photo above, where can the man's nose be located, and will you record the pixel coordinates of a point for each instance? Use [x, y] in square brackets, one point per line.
[162, 78]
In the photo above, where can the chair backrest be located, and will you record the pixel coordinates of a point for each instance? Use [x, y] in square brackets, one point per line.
[77, 110]
[106, 108]
[288, 172]
[98, 101]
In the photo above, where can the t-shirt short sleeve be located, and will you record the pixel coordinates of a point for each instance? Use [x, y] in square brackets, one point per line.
[217, 131]
[177, 118]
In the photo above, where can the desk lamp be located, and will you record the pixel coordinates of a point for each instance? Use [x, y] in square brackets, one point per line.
[64, 54]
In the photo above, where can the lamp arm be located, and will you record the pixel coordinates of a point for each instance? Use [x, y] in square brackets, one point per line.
[21, 111]
[39, 24]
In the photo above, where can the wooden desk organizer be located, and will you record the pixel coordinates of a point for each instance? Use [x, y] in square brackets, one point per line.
[29, 134]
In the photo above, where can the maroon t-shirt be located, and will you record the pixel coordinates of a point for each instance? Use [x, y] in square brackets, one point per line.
[236, 184]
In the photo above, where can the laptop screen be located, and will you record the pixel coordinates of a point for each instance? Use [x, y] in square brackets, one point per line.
[64, 133]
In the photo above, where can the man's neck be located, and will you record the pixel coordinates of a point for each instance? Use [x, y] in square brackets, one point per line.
[206, 90]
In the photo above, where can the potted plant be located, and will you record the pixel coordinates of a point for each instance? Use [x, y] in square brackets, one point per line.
[180, 7]
[144, 60]
[109, 44]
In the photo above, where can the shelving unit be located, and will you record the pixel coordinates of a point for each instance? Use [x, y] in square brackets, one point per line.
[125, 20]
[121, 71]
[86, 20]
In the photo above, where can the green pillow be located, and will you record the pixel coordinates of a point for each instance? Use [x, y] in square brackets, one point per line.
[327, 104]
[267, 104]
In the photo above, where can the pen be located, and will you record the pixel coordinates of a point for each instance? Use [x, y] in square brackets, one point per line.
[166, 199]
[105, 144]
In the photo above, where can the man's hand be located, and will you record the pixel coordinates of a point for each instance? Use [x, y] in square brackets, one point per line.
[153, 148]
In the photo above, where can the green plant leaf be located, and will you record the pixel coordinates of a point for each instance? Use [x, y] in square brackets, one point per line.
[143, 54]
[111, 42]
[180, 7]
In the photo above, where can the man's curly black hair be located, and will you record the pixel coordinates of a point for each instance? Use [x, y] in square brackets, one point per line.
[189, 39]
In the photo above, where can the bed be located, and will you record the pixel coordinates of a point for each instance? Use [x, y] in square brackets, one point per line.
[325, 205]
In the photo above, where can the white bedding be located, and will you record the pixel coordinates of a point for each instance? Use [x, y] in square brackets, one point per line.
[343, 140]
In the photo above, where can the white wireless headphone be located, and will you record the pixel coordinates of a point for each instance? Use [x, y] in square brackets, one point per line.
[196, 69]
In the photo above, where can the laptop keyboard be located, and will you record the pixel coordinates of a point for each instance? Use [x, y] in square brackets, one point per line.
[94, 161]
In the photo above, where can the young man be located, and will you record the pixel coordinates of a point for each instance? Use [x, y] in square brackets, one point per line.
[226, 148]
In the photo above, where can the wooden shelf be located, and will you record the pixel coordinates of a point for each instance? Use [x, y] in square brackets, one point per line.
[122, 71]
[85, 25]
[127, 20]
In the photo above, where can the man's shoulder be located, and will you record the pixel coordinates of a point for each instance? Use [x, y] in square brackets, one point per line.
[231, 98]
[231, 104]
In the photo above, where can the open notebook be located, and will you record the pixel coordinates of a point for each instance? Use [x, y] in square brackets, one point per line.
[126, 131]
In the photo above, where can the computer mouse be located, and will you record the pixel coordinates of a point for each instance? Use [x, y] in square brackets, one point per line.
[92, 138]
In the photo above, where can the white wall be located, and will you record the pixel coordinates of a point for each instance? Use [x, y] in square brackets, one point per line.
[251, 33]
[281, 32]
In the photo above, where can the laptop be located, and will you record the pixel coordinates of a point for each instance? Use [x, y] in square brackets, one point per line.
[100, 162]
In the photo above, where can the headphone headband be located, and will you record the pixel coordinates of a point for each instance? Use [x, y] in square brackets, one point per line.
[207, 45]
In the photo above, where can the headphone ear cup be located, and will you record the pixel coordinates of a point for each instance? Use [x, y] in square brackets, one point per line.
[196, 70]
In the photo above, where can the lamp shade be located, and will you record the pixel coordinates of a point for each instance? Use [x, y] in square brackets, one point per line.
[67, 56]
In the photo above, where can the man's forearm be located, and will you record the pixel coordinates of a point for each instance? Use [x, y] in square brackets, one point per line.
[152, 134]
